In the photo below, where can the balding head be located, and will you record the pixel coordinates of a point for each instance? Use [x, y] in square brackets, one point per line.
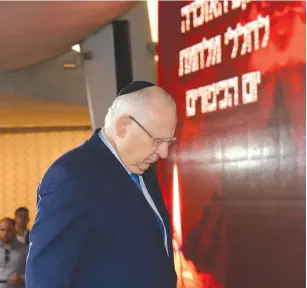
[140, 125]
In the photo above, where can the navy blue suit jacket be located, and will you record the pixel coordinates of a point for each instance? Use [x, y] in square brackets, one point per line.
[95, 229]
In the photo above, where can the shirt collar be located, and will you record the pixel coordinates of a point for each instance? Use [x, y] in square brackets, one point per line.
[14, 244]
[104, 139]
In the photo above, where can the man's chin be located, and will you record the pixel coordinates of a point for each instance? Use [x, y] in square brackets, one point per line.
[141, 168]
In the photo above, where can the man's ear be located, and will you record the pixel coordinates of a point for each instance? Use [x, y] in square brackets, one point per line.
[122, 124]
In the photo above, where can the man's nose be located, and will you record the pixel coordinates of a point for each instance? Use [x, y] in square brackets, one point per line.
[162, 150]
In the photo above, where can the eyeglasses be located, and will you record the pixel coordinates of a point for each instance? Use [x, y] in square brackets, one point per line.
[7, 256]
[156, 141]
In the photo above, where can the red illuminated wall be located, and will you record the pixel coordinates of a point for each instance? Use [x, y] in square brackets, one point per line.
[241, 156]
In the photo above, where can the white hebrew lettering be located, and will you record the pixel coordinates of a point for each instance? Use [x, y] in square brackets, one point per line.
[250, 82]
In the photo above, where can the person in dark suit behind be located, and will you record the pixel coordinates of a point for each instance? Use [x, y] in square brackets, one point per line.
[22, 220]
[101, 219]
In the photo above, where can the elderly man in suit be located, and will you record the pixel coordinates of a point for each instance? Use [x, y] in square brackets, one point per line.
[101, 218]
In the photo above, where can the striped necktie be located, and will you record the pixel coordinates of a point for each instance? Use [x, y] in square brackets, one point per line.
[136, 180]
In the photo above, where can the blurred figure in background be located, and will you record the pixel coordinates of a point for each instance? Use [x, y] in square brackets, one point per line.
[22, 220]
[13, 256]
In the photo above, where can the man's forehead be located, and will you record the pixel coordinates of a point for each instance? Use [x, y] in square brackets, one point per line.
[6, 224]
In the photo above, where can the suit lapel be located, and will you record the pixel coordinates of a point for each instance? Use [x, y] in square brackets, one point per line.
[154, 191]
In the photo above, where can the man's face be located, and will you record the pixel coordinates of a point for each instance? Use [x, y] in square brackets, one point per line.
[22, 219]
[137, 149]
[7, 232]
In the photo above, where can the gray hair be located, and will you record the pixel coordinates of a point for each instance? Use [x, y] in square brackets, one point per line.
[134, 104]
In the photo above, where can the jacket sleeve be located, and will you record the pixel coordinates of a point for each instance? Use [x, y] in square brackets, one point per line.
[58, 236]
